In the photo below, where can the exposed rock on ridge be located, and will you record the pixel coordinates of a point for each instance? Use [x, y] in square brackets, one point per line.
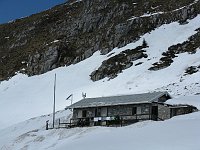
[72, 32]
[190, 46]
[116, 64]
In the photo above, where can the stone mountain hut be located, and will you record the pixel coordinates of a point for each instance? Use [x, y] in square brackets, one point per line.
[125, 109]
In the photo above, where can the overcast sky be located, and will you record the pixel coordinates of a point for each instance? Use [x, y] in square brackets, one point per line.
[13, 9]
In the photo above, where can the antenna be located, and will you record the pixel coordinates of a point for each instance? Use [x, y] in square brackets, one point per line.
[70, 96]
[83, 95]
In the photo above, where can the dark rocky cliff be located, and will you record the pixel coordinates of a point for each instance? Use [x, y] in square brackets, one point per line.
[73, 31]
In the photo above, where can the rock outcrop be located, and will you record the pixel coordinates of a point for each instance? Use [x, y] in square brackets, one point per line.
[72, 32]
[114, 65]
[190, 46]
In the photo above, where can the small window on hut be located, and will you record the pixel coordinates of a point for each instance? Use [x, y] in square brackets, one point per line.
[134, 110]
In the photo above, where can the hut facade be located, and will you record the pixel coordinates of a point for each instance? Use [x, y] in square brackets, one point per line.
[125, 109]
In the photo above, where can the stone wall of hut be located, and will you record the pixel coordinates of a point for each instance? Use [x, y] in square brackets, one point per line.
[163, 112]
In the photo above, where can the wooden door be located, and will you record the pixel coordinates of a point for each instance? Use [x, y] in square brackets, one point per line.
[154, 113]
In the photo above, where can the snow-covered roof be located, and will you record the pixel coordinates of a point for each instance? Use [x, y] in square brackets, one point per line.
[119, 100]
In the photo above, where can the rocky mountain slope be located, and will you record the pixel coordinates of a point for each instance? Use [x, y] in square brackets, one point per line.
[72, 32]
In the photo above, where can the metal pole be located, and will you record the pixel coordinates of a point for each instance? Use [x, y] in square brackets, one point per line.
[54, 101]
[71, 99]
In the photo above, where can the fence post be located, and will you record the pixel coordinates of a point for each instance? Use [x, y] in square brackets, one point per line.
[70, 123]
[58, 123]
[121, 121]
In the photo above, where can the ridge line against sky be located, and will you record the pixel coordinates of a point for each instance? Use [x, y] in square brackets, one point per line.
[15, 9]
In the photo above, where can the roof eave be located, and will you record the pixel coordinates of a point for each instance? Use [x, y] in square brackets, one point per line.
[119, 104]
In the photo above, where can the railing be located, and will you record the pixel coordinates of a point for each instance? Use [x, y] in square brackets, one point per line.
[113, 121]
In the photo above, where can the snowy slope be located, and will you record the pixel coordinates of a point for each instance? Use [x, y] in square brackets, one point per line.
[178, 133]
[25, 97]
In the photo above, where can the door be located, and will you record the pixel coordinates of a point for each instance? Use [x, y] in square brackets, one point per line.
[84, 113]
[154, 113]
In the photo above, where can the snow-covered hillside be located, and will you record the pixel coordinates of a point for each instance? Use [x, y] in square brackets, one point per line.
[25, 97]
[178, 133]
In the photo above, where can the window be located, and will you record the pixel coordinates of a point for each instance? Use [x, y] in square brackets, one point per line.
[134, 110]
[97, 112]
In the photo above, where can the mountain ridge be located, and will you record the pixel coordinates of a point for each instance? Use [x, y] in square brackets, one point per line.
[72, 32]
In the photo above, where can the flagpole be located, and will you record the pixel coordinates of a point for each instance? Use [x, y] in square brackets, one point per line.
[54, 101]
